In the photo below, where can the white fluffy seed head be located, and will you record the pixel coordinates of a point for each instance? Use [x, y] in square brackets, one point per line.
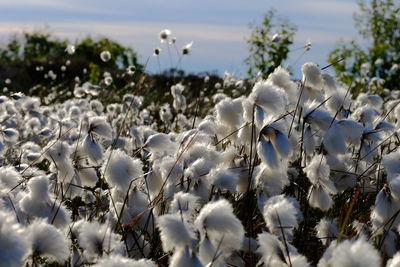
[47, 241]
[267, 153]
[318, 169]
[216, 219]
[281, 214]
[267, 95]
[57, 151]
[185, 203]
[385, 208]
[312, 75]
[329, 82]
[120, 261]
[122, 169]
[88, 176]
[318, 173]
[272, 181]
[326, 231]
[159, 143]
[281, 78]
[223, 179]
[9, 177]
[391, 162]
[39, 189]
[97, 238]
[13, 242]
[318, 197]
[176, 234]
[229, 112]
[100, 126]
[105, 55]
[317, 115]
[348, 253]
[92, 149]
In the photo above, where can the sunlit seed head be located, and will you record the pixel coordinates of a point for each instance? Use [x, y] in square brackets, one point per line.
[131, 70]
[70, 49]
[8, 81]
[308, 45]
[156, 51]
[187, 48]
[379, 62]
[63, 68]
[172, 40]
[276, 38]
[164, 34]
[108, 80]
[105, 55]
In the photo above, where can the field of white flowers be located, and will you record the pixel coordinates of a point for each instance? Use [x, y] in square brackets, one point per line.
[293, 173]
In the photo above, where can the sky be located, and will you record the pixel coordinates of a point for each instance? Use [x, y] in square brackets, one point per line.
[218, 28]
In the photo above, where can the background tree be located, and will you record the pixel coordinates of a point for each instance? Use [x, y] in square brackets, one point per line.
[376, 66]
[37, 63]
[269, 44]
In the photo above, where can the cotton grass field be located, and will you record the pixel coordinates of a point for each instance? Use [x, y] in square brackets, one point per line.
[263, 172]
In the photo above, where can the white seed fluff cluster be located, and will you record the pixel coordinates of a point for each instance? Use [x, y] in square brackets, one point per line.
[261, 172]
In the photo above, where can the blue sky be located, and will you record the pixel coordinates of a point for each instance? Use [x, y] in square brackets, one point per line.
[218, 28]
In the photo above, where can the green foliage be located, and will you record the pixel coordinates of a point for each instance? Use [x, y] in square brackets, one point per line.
[28, 58]
[267, 53]
[375, 67]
